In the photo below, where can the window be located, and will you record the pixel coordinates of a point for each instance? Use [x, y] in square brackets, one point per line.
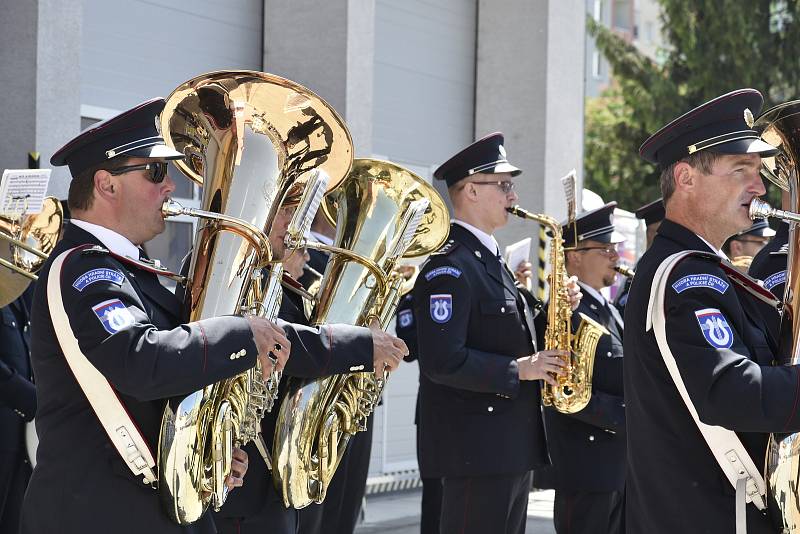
[597, 62]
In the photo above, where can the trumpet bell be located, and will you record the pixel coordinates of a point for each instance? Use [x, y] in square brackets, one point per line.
[36, 236]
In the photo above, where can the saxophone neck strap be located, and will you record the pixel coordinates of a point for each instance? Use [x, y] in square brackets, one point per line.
[725, 445]
[105, 403]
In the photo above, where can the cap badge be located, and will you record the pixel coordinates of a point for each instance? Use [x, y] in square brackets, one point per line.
[748, 117]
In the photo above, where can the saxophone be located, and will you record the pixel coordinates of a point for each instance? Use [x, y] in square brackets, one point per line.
[574, 389]
[384, 213]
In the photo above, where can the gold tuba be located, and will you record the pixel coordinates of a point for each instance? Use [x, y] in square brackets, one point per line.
[383, 213]
[253, 141]
[25, 243]
[780, 127]
[574, 389]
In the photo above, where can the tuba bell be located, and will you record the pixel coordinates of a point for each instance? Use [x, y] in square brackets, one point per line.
[26, 241]
[383, 213]
[255, 142]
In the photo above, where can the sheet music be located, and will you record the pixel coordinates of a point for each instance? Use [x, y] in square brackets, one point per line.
[518, 252]
[23, 190]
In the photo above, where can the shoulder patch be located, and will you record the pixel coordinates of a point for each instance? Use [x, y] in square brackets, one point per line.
[441, 308]
[446, 249]
[439, 271]
[113, 315]
[775, 279]
[715, 328]
[103, 274]
[405, 318]
[701, 280]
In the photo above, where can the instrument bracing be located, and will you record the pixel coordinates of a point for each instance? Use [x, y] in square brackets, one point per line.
[383, 212]
[255, 142]
[780, 127]
[574, 389]
[26, 241]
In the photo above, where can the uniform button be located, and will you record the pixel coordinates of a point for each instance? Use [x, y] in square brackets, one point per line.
[608, 354]
[490, 409]
[478, 253]
[25, 328]
[503, 309]
[13, 323]
[233, 356]
[243, 352]
[591, 438]
[357, 368]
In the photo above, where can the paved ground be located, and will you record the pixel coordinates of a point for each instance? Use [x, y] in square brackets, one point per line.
[398, 513]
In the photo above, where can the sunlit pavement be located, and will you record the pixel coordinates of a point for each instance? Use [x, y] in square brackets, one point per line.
[398, 513]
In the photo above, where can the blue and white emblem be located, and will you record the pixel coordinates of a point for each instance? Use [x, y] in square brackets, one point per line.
[98, 275]
[441, 308]
[405, 318]
[114, 315]
[715, 328]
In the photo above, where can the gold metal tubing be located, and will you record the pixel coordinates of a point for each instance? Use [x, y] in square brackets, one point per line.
[366, 262]
[24, 246]
[624, 270]
[18, 270]
[242, 228]
[761, 210]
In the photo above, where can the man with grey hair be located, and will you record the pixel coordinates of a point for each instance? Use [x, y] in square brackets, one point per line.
[701, 363]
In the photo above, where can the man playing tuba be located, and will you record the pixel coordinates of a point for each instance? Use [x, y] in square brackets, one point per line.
[108, 318]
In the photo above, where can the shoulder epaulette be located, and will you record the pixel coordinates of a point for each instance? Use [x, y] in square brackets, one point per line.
[781, 251]
[95, 250]
[446, 249]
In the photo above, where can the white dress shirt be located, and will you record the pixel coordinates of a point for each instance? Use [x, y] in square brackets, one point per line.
[116, 243]
[486, 240]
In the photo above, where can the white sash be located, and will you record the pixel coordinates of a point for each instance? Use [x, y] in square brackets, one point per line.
[725, 445]
[123, 432]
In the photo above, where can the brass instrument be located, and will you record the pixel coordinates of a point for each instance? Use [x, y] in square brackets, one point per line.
[742, 262]
[624, 270]
[574, 389]
[254, 141]
[779, 127]
[383, 213]
[25, 243]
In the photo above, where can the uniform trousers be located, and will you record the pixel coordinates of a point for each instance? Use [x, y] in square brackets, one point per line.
[482, 504]
[15, 471]
[431, 505]
[339, 512]
[580, 512]
[273, 519]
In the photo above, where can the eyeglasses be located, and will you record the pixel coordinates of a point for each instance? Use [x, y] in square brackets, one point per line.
[608, 250]
[506, 186]
[156, 171]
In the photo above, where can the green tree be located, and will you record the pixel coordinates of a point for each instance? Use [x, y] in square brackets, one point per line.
[712, 47]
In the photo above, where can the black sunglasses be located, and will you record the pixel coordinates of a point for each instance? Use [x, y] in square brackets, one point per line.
[156, 172]
[505, 186]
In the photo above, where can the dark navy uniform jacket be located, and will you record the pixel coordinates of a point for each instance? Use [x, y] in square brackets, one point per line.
[674, 483]
[17, 391]
[342, 347]
[588, 448]
[476, 417]
[769, 265]
[80, 480]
